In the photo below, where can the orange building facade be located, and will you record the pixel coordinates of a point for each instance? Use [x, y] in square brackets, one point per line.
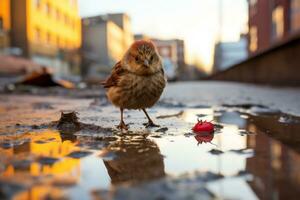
[272, 22]
[4, 23]
[46, 31]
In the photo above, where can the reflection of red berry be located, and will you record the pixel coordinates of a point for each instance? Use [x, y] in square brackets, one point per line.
[203, 126]
[204, 137]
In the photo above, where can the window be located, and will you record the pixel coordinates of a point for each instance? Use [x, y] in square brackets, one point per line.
[277, 22]
[74, 25]
[86, 22]
[253, 38]
[48, 38]
[66, 19]
[1, 23]
[253, 2]
[61, 43]
[73, 2]
[47, 8]
[58, 15]
[37, 3]
[295, 15]
[253, 7]
[57, 41]
[55, 13]
[37, 34]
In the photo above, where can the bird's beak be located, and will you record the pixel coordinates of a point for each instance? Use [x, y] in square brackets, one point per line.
[146, 63]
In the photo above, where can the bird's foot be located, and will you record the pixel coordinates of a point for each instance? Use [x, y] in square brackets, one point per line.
[150, 124]
[122, 126]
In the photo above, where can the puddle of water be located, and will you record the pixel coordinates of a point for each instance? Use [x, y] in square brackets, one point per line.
[258, 155]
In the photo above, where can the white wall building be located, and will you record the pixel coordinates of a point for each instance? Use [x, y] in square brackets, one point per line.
[228, 54]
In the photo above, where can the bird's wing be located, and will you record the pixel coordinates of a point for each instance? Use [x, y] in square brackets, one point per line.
[162, 70]
[115, 75]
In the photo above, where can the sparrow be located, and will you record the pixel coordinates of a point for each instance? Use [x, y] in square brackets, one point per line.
[137, 81]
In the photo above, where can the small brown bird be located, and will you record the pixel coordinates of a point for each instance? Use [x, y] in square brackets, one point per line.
[137, 81]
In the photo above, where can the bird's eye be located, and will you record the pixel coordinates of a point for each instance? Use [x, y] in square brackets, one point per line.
[137, 59]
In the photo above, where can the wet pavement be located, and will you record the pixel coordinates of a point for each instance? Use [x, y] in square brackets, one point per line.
[254, 152]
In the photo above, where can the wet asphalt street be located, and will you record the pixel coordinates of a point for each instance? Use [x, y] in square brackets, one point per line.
[253, 152]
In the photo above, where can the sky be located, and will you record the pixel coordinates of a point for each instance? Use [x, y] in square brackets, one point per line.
[197, 22]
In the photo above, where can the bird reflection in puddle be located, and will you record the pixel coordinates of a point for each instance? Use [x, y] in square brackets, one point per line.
[136, 160]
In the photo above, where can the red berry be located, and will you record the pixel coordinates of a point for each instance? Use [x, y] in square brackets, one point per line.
[203, 126]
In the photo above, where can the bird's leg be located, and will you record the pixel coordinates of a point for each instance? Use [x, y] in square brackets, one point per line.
[150, 122]
[122, 124]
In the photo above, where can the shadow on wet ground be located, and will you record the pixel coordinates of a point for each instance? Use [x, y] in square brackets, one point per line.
[254, 153]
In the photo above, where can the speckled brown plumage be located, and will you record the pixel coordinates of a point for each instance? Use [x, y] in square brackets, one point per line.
[137, 81]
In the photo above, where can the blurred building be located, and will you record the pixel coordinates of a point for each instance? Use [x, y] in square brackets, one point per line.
[271, 22]
[172, 52]
[105, 39]
[124, 22]
[141, 37]
[229, 53]
[48, 32]
[4, 23]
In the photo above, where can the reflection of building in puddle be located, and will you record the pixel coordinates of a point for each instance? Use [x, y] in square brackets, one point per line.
[275, 166]
[135, 161]
[49, 145]
[192, 115]
[231, 118]
[230, 132]
[40, 192]
[276, 161]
